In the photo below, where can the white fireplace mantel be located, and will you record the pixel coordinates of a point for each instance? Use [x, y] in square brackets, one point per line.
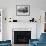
[26, 27]
[23, 26]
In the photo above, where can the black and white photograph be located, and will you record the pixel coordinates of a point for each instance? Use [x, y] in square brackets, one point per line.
[22, 10]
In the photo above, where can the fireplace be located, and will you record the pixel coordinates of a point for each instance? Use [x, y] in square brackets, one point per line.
[22, 37]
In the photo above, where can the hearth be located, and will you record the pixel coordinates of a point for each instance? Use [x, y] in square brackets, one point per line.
[22, 37]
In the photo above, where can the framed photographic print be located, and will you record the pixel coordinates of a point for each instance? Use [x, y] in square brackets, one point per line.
[22, 10]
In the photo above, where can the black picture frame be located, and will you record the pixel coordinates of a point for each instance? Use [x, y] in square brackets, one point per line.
[23, 11]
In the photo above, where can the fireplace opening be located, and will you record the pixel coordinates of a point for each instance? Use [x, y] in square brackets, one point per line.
[22, 37]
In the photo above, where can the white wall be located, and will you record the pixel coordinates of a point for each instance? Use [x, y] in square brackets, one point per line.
[10, 11]
[34, 3]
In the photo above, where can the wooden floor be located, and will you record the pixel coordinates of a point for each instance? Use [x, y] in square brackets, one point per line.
[20, 45]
